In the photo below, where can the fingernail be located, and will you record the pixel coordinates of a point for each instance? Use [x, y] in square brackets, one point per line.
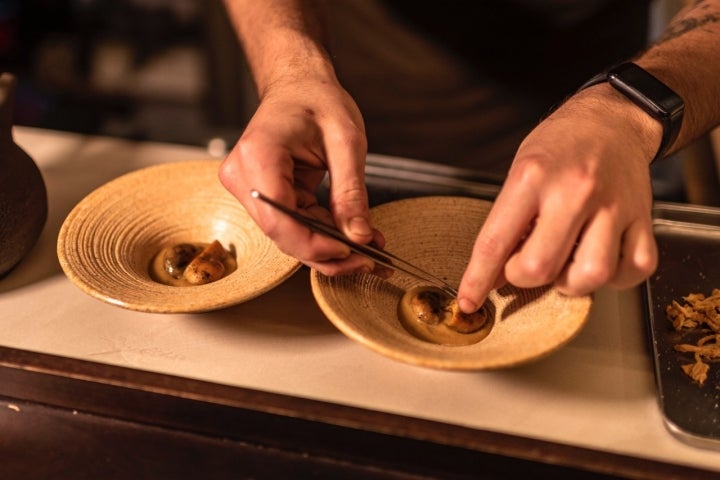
[359, 226]
[467, 306]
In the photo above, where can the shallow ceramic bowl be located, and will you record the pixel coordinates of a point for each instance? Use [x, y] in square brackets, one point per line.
[107, 242]
[437, 234]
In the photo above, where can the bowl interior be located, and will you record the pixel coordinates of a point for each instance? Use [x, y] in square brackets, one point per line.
[437, 234]
[108, 241]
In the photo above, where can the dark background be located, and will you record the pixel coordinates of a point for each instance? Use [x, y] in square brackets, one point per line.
[158, 70]
[163, 70]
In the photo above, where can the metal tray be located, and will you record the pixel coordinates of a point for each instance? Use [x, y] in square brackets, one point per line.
[688, 240]
[393, 178]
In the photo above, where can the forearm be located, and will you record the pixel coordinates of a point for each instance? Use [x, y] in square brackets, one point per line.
[282, 39]
[687, 59]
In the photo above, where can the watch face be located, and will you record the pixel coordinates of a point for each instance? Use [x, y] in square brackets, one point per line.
[646, 90]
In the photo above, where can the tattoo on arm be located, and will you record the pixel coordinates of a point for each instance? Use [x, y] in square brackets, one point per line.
[687, 24]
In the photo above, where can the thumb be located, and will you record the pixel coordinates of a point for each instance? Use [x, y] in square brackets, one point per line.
[349, 201]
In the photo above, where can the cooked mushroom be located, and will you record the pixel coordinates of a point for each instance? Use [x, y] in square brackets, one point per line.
[464, 322]
[178, 257]
[208, 266]
[430, 314]
[429, 306]
[187, 264]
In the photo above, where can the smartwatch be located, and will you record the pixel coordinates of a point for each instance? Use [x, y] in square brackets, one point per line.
[650, 94]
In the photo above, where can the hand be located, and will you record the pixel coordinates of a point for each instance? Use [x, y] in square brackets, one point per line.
[301, 129]
[575, 210]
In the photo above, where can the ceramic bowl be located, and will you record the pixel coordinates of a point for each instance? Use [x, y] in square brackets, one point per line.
[437, 234]
[107, 242]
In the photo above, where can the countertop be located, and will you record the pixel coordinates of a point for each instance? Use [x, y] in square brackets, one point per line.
[596, 393]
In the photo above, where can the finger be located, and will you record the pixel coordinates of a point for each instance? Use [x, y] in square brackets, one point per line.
[352, 264]
[542, 256]
[639, 257]
[348, 193]
[327, 260]
[504, 228]
[317, 250]
[595, 259]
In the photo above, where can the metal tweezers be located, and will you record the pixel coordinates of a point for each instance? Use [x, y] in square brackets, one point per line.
[379, 256]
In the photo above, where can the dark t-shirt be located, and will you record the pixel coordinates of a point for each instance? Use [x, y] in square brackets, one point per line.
[546, 46]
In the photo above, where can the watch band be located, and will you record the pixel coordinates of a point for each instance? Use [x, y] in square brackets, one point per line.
[650, 94]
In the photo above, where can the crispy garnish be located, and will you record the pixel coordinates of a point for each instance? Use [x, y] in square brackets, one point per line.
[698, 313]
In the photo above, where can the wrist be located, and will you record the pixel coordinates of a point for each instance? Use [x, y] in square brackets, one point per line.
[654, 98]
[602, 102]
[293, 59]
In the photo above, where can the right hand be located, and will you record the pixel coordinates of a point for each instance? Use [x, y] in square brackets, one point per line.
[301, 129]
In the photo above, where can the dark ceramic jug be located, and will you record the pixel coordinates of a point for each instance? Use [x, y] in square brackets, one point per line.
[23, 197]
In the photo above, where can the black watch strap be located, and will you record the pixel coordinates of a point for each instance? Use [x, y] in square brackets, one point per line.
[650, 94]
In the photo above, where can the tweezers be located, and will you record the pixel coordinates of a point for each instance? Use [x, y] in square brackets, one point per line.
[379, 256]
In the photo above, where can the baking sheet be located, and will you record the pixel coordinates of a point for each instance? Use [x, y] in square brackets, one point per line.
[688, 240]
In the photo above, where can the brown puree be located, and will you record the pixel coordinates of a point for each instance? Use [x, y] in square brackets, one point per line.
[188, 264]
[430, 314]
